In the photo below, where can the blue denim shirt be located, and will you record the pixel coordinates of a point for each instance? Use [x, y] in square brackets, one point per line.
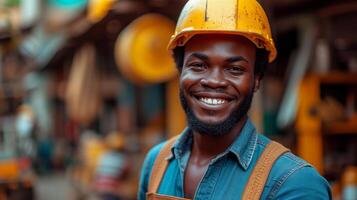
[227, 175]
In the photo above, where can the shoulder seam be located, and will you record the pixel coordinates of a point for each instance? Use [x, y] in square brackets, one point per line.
[282, 180]
[260, 141]
[295, 159]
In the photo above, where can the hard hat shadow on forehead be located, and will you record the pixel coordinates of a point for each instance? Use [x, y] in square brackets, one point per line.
[236, 17]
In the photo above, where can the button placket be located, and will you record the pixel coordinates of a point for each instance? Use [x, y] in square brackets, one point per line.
[209, 180]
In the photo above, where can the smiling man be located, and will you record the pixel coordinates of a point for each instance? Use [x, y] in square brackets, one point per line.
[221, 49]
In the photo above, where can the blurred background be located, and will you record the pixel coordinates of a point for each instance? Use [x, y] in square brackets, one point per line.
[87, 87]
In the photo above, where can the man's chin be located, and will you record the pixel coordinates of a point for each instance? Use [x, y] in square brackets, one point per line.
[210, 122]
[209, 128]
[218, 128]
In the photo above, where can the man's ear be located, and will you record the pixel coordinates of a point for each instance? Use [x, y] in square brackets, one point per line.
[257, 80]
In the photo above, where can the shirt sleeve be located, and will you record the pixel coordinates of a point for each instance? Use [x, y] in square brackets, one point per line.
[146, 171]
[305, 183]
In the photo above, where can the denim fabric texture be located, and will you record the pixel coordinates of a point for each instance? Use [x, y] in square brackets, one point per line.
[227, 174]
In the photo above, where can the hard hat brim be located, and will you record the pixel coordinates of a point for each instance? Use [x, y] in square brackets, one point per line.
[184, 36]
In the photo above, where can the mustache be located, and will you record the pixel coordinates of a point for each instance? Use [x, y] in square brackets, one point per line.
[210, 90]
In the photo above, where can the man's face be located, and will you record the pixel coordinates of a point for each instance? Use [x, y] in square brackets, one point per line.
[217, 82]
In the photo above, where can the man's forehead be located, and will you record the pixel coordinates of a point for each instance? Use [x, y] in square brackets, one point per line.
[219, 44]
[200, 41]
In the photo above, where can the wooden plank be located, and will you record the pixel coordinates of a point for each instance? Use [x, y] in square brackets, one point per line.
[338, 78]
[344, 127]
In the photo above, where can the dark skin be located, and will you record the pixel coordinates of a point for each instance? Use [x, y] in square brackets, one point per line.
[217, 74]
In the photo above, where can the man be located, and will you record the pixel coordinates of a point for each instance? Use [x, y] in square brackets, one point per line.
[221, 48]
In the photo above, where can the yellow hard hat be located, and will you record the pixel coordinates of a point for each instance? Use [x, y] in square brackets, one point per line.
[238, 17]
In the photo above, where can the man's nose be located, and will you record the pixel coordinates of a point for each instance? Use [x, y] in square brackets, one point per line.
[214, 79]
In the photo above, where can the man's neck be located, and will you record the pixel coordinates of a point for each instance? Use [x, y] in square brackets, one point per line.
[206, 146]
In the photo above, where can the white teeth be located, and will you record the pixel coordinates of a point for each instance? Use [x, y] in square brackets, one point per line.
[213, 101]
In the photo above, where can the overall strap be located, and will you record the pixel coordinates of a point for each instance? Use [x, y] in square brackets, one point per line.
[259, 176]
[160, 166]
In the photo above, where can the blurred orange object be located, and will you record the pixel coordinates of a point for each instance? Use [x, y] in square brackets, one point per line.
[9, 170]
[336, 190]
[98, 9]
[349, 183]
[349, 177]
[141, 53]
[92, 151]
[115, 141]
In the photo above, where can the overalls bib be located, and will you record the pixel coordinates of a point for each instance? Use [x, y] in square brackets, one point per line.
[253, 189]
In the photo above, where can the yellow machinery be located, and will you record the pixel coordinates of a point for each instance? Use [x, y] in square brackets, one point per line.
[311, 131]
[141, 53]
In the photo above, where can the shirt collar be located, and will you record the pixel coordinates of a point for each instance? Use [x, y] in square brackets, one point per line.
[243, 147]
[182, 144]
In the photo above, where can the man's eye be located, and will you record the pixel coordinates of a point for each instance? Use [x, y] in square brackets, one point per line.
[236, 70]
[197, 66]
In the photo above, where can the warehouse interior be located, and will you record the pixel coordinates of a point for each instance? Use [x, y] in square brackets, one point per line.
[83, 80]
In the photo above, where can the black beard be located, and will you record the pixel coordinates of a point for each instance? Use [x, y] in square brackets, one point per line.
[221, 128]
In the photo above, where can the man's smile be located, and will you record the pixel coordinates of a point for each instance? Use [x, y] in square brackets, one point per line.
[212, 100]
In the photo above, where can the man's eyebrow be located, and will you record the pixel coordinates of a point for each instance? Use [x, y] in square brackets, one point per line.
[236, 59]
[199, 55]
